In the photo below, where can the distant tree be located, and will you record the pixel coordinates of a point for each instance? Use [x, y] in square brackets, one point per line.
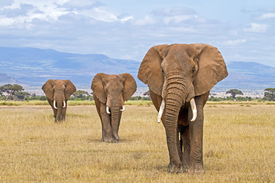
[147, 94]
[80, 93]
[234, 92]
[43, 98]
[21, 95]
[11, 89]
[212, 95]
[16, 88]
[270, 94]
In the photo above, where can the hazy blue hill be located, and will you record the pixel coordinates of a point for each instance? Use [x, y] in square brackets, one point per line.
[6, 79]
[248, 75]
[32, 66]
[251, 68]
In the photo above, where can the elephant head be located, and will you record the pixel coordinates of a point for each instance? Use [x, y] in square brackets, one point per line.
[58, 92]
[178, 73]
[112, 91]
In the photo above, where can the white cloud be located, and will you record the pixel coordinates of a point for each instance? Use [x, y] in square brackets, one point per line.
[24, 11]
[146, 20]
[254, 27]
[125, 19]
[235, 42]
[84, 4]
[6, 21]
[183, 29]
[101, 14]
[266, 16]
[174, 11]
[179, 18]
[52, 10]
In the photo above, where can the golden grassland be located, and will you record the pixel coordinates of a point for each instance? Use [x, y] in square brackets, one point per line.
[239, 145]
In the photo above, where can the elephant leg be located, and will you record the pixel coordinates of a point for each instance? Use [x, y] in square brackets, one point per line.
[196, 139]
[107, 135]
[51, 104]
[54, 112]
[172, 168]
[64, 112]
[185, 137]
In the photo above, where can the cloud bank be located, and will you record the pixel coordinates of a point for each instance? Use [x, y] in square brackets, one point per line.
[94, 27]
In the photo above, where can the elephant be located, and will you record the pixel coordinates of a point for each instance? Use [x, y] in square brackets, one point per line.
[110, 92]
[180, 77]
[57, 93]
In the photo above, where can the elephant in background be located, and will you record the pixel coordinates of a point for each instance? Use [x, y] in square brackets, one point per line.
[57, 93]
[110, 92]
[179, 77]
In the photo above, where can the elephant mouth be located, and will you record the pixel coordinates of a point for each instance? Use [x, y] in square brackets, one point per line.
[63, 104]
[193, 106]
[108, 109]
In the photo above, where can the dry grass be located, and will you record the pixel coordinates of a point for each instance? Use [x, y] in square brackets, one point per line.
[239, 146]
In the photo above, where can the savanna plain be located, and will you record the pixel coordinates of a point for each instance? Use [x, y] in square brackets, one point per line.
[239, 145]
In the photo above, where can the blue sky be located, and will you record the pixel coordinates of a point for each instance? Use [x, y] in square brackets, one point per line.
[243, 30]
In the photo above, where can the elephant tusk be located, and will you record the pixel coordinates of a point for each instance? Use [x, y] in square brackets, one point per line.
[64, 104]
[194, 109]
[123, 108]
[107, 110]
[161, 109]
[54, 104]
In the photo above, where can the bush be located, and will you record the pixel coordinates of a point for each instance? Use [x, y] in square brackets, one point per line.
[139, 98]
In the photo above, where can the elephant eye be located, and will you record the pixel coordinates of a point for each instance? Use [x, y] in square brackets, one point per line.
[193, 70]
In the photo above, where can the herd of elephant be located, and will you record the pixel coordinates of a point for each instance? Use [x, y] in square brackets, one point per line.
[179, 77]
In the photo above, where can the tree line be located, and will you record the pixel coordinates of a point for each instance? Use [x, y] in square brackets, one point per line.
[269, 95]
[16, 92]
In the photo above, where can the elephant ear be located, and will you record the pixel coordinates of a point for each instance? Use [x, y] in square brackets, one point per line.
[130, 86]
[48, 89]
[69, 88]
[97, 87]
[150, 71]
[212, 68]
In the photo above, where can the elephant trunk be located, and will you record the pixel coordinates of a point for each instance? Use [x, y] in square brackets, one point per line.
[175, 99]
[59, 106]
[115, 118]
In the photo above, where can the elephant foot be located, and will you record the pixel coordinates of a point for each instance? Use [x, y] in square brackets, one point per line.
[196, 169]
[185, 165]
[116, 137]
[172, 168]
[110, 140]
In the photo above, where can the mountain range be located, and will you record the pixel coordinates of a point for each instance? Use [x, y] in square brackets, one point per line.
[33, 67]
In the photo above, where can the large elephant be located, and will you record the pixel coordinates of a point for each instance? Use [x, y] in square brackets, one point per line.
[57, 93]
[180, 77]
[110, 92]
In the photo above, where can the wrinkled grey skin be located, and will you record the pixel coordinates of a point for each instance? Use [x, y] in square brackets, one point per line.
[111, 91]
[176, 74]
[58, 91]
